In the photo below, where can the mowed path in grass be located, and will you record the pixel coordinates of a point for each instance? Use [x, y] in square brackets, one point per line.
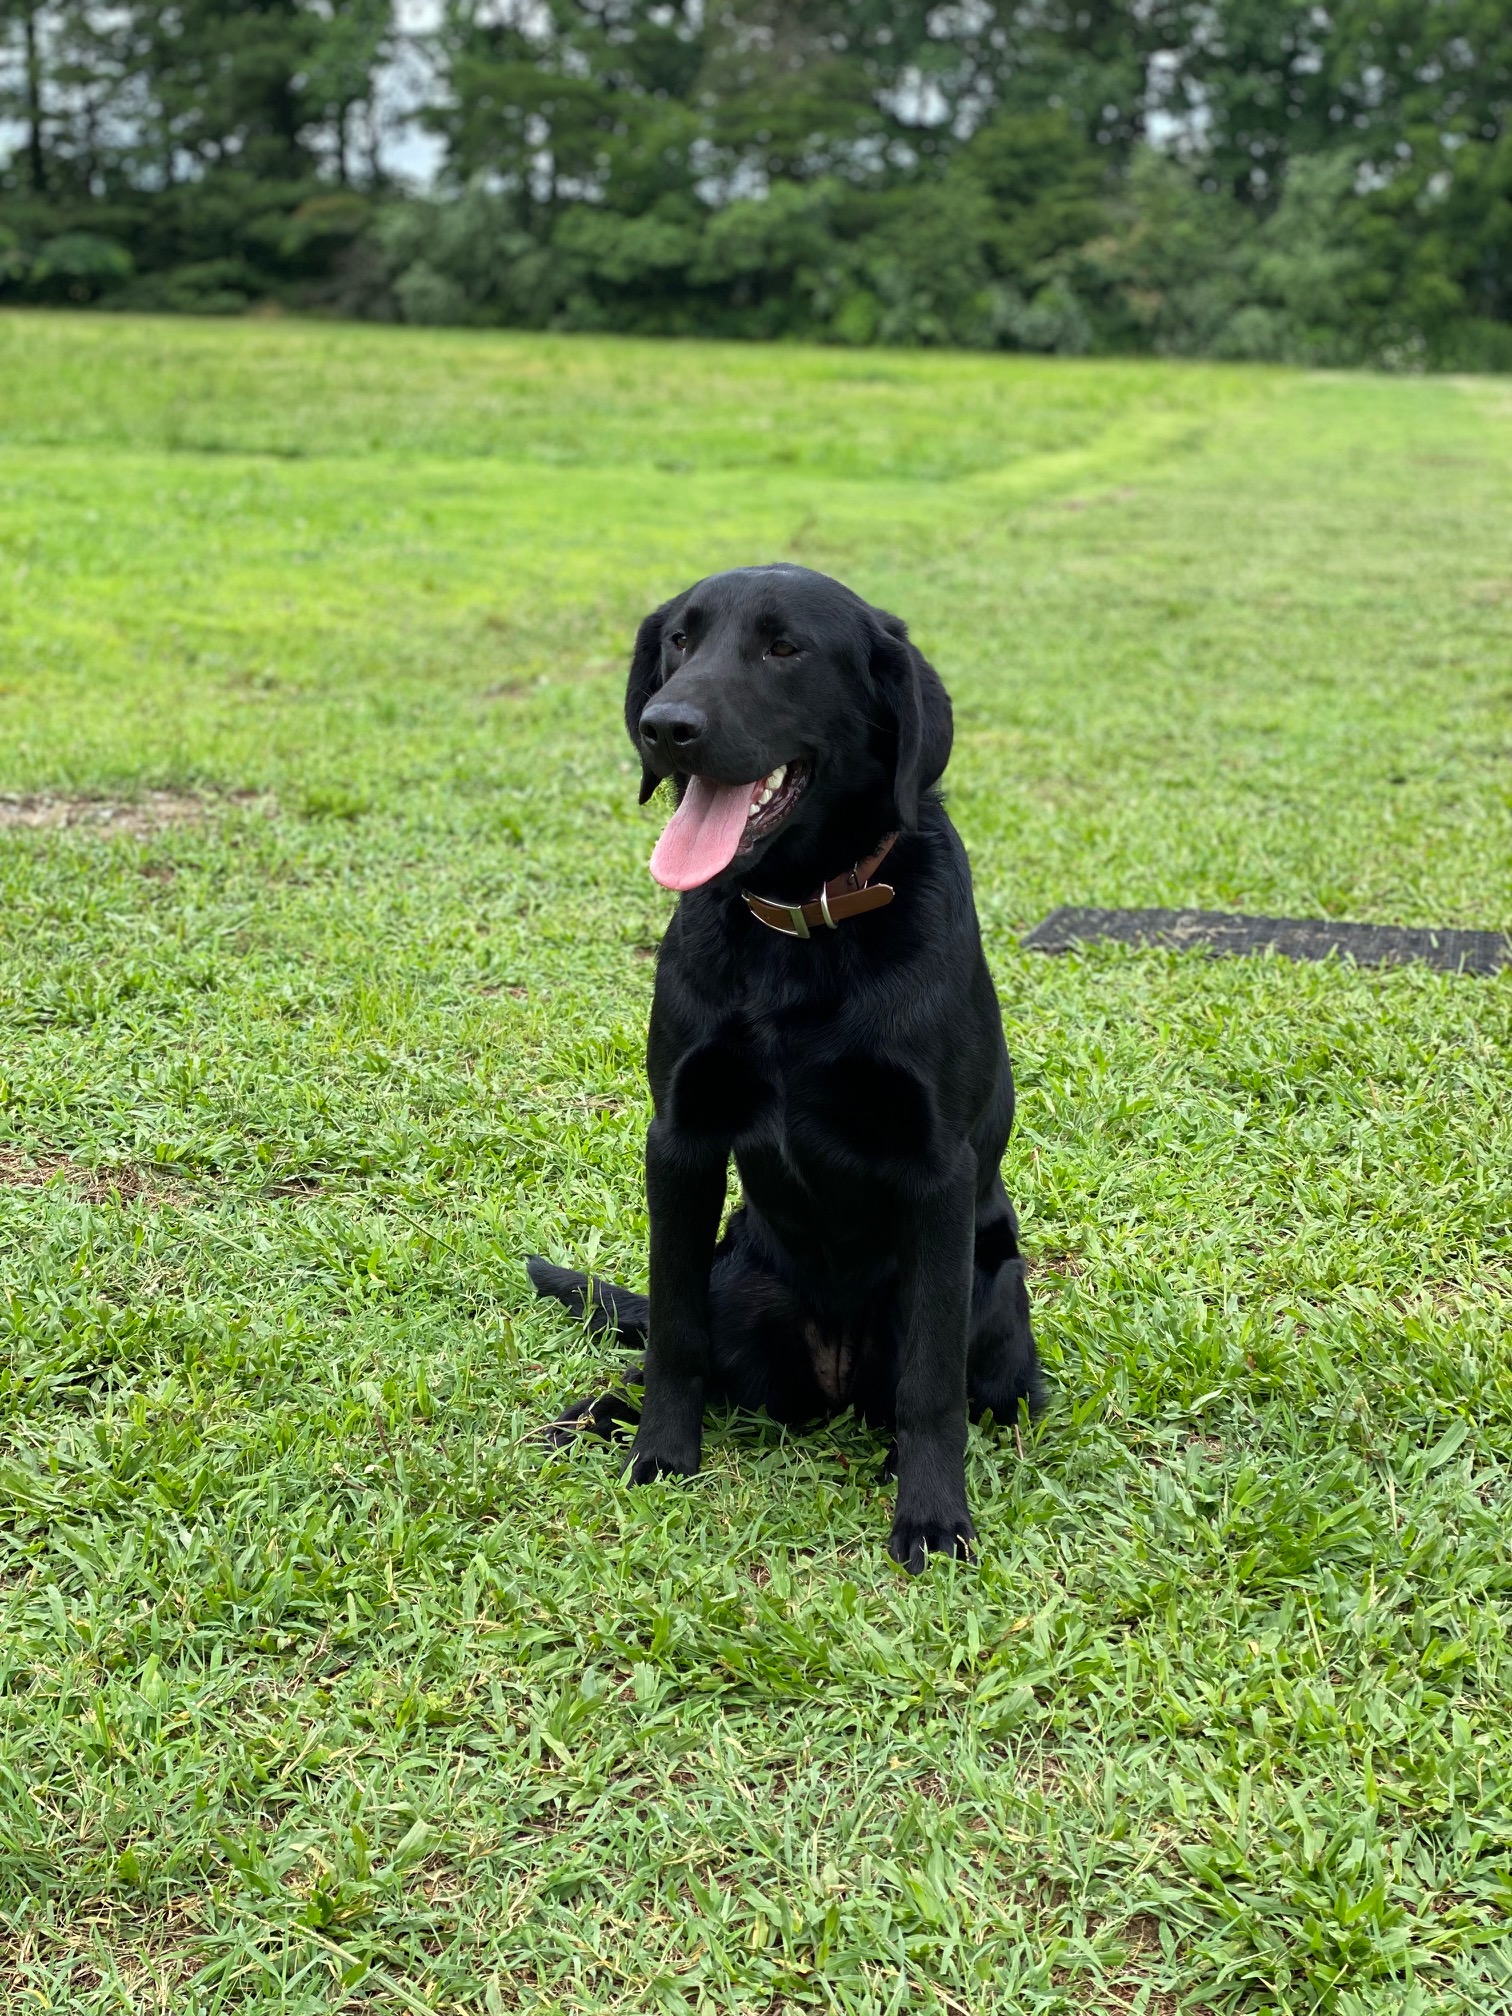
[324, 971]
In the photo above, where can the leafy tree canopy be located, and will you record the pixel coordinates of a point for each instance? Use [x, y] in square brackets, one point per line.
[1235, 177]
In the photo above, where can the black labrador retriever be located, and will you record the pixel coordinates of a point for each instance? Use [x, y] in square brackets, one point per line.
[824, 1013]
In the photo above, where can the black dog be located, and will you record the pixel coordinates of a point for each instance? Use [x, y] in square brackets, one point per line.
[843, 1042]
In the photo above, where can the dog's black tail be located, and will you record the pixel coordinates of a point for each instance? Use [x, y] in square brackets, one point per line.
[606, 1306]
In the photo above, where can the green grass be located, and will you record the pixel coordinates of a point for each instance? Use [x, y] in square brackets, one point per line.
[320, 1684]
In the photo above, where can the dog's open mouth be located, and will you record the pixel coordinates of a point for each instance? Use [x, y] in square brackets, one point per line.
[715, 822]
[776, 796]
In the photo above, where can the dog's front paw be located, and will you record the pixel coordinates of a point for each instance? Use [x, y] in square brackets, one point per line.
[662, 1456]
[913, 1538]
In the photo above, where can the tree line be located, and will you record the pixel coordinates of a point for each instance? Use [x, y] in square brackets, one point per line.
[1326, 183]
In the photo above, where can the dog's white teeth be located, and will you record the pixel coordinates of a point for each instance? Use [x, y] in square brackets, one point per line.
[768, 790]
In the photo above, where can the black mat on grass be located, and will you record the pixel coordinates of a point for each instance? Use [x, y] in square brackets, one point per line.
[1294, 937]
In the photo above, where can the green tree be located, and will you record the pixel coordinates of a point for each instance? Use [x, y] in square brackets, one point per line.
[351, 42]
[1335, 185]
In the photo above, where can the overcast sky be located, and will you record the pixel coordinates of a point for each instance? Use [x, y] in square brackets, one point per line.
[404, 85]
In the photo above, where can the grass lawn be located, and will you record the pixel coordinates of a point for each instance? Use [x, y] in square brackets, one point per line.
[325, 959]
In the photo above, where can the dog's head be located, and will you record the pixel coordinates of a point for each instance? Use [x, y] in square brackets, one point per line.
[773, 696]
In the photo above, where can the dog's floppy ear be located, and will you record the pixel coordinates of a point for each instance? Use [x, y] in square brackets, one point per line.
[645, 678]
[912, 692]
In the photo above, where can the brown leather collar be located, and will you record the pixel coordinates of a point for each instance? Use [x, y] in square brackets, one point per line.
[848, 895]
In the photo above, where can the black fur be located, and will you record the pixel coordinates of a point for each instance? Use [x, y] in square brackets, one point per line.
[860, 1078]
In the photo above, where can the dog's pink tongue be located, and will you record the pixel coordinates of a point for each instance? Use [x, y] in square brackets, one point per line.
[701, 836]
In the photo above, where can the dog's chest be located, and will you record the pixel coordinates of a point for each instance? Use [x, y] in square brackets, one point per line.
[795, 1082]
[793, 1058]
[808, 1150]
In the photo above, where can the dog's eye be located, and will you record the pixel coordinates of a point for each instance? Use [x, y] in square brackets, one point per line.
[678, 639]
[782, 647]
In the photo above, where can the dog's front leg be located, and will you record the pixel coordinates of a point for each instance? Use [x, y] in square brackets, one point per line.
[935, 1295]
[685, 1190]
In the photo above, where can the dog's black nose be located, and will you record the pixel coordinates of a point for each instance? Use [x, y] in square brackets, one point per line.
[673, 729]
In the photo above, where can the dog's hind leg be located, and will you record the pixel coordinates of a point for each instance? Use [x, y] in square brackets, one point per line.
[604, 1416]
[760, 1349]
[1003, 1366]
[609, 1310]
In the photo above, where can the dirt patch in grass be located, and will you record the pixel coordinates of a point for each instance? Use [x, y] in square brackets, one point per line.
[152, 1956]
[19, 1171]
[153, 812]
[1129, 1989]
[1050, 1273]
[1036, 1768]
[1066, 1265]
[1448, 1300]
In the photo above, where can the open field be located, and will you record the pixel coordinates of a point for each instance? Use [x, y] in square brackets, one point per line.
[324, 969]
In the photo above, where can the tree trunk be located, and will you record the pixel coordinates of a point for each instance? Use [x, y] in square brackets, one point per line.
[36, 158]
[374, 141]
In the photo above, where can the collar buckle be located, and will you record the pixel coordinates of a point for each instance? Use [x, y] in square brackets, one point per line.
[854, 892]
